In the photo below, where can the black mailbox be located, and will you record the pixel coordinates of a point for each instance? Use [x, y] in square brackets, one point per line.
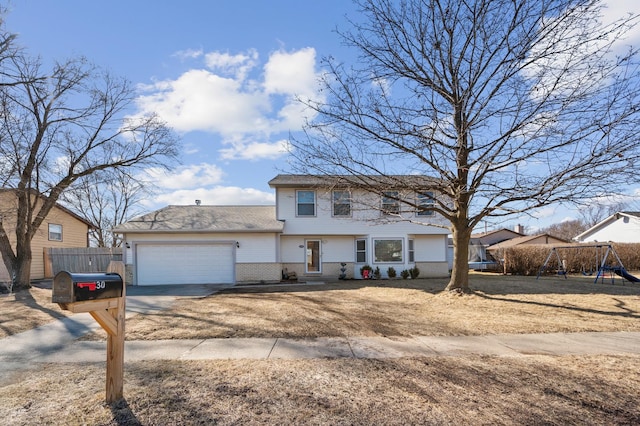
[71, 287]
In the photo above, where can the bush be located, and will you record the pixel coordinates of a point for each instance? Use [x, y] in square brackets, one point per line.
[404, 274]
[528, 260]
[414, 272]
[365, 268]
[376, 273]
[391, 272]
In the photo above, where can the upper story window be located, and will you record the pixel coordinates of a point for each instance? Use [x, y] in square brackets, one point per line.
[55, 232]
[390, 202]
[341, 203]
[305, 203]
[425, 202]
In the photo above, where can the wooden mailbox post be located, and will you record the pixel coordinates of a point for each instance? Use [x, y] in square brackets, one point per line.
[103, 296]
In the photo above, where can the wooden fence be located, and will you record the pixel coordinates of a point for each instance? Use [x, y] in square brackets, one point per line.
[87, 259]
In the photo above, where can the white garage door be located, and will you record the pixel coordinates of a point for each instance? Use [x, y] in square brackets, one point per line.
[185, 263]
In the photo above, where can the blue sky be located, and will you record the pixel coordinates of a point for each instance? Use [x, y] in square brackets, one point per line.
[222, 73]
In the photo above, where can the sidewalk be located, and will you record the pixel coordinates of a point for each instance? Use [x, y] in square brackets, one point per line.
[511, 345]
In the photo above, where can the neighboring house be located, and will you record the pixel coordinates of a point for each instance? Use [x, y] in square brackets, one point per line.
[478, 256]
[497, 236]
[61, 229]
[622, 227]
[525, 240]
[317, 225]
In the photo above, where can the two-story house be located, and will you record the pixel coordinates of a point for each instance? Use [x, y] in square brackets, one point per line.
[318, 226]
[61, 229]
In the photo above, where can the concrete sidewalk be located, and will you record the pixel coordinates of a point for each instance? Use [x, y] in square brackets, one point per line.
[510, 345]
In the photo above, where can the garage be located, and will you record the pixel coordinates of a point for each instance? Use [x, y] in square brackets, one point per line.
[185, 263]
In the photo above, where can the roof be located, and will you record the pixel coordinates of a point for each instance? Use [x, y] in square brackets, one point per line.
[61, 207]
[496, 236]
[604, 223]
[355, 181]
[213, 219]
[526, 239]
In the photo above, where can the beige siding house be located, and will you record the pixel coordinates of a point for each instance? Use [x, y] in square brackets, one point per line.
[61, 229]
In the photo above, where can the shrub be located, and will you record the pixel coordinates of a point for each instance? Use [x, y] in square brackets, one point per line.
[391, 272]
[404, 274]
[414, 272]
[366, 268]
[527, 260]
[376, 273]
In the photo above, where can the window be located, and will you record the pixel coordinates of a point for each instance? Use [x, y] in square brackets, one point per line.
[425, 201]
[341, 203]
[387, 250]
[361, 251]
[306, 203]
[411, 251]
[55, 232]
[390, 202]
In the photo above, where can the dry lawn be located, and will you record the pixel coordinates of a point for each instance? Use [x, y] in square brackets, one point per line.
[592, 390]
[568, 390]
[27, 309]
[500, 304]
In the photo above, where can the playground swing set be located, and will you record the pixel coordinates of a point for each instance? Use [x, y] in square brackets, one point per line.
[602, 254]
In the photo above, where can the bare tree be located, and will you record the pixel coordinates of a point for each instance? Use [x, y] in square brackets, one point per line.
[508, 105]
[60, 126]
[596, 212]
[566, 230]
[106, 198]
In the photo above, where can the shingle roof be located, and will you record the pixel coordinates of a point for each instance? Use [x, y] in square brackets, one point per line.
[61, 207]
[526, 239]
[495, 231]
[325, 181]
[205, 219]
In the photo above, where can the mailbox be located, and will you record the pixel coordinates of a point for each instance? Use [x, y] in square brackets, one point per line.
[71, 287]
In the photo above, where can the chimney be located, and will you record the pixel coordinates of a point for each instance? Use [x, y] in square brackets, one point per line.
[519, 229]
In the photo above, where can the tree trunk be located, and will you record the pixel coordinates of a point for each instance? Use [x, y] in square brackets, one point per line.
[22, 273]
[21, 268]
[460, 273]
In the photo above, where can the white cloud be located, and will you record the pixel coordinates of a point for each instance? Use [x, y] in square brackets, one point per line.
[219, 195]
[566, 69]
[235, 65]
[291, 73]
[256, 150]
[616, 9]
[223, 100]
[188, 54]
[191, 176]
[201, 100]
[544, 212]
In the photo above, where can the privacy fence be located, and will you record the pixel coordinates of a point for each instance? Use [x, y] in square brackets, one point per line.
[88, 259]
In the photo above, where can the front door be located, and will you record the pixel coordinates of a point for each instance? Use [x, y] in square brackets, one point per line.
[313, 256]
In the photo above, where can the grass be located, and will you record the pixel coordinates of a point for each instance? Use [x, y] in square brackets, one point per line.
[27, 309]
[443, 390]
[499, 304]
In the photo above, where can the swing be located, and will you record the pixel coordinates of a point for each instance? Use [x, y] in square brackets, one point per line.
[591, 271]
